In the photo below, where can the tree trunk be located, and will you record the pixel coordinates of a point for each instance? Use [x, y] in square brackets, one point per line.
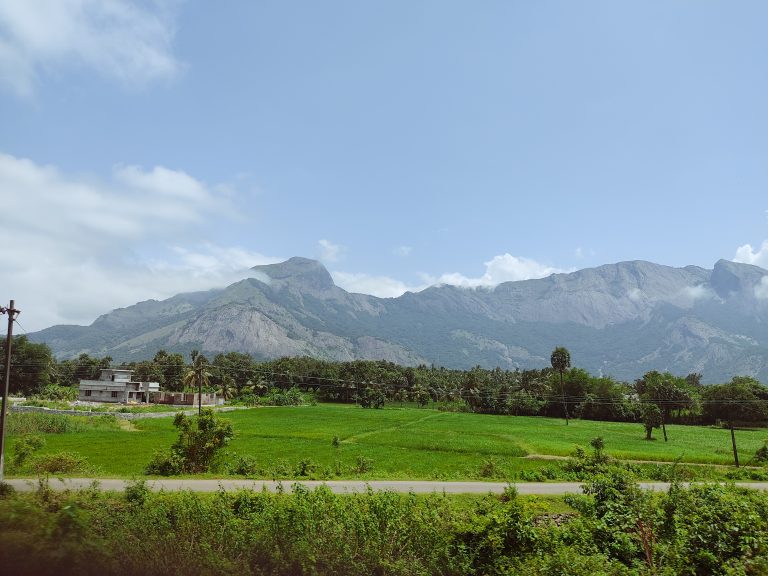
[200, 397]
[733, 441]
[664, 426]
[562, 391]
[648, 433]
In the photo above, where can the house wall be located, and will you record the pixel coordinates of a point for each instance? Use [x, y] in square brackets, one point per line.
[182, 398]
[117, 391]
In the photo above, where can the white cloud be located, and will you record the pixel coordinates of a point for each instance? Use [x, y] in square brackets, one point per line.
[636, 295]
[116, 38]
[81, 246]
[761, 289]
[330, 252]
[748, 255]
[381, 286]
[691, 294]
[403, 251]
[502, 268]
[499, 269]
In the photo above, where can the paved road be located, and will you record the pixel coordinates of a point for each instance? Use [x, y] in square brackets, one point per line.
[338, 486]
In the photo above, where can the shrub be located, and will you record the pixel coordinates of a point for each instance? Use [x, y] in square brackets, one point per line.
[489, 468]
[306, 467]
[25, 447]
[56, 392]
[242, 465]
[363, 465]
[136, 492]
[372, 397]
[60, 463]
[200, 440]
[164, 463]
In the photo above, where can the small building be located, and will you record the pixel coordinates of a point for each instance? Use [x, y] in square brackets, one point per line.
[116, 386]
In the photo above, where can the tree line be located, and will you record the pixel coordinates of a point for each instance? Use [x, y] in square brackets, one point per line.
[560, 390]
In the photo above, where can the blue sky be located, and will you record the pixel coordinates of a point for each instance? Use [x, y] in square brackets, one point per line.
[149, 148]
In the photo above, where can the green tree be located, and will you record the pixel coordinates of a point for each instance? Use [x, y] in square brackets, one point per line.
[226, 387]
[668, 392]
[651, 418]
[30, 365]
[172, 367]
[561, 360]
[200, 439]
[198, 376]
[732, 403]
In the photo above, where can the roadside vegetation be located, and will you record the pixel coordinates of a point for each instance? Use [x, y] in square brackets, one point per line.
[614, 528]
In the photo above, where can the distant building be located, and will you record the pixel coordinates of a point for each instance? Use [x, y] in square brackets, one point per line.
[116, 386]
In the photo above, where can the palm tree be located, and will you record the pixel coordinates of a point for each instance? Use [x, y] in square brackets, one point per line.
[226, 387]
[561, 359]
[197, 375]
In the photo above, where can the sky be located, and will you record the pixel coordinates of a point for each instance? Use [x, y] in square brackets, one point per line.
[154, 147]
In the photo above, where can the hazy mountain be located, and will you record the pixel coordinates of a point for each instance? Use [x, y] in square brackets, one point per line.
[620, 319]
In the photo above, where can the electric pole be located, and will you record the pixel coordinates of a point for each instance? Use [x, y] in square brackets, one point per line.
[12, 313]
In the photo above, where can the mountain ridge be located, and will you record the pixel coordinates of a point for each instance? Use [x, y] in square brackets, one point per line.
[620, 319]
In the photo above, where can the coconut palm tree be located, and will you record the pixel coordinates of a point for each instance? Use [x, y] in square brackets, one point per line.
[197, 375]
[561, 360]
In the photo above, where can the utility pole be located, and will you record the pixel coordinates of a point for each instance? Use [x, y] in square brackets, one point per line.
[12, 313]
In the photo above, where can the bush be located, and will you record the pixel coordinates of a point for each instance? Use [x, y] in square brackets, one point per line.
[372, 397]
[291, 397]
[56, 392]
[363, 465]
[137, 492]
[25, 447]
[60, 463]
[200, 440]
[243, 465]
[306, 467]
[165, 463]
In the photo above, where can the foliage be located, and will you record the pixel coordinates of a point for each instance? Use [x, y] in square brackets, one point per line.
[291, 397]
[617, 530]
[200, 439]
[60, 463]
[56, 392]
[30, 365]
[371, 398]
[651, 418]
[242, 465]
[25, 447]
[20, 423]
[737, 401]
[198, 375]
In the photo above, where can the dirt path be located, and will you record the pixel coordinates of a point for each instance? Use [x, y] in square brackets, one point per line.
[355, 438]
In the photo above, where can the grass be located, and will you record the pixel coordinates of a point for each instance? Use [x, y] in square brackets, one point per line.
[400, 443]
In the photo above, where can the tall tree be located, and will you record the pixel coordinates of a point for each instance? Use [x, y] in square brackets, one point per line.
[30, 365]
[198, 375]
[561, 361]
[667, 391]
[737, 401]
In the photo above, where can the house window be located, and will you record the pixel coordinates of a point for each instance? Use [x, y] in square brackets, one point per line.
[87, 392]
[114, 394]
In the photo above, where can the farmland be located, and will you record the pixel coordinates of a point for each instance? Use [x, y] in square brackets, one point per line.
[344, 441]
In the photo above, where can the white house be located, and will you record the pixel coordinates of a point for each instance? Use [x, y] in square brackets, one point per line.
[116, 386]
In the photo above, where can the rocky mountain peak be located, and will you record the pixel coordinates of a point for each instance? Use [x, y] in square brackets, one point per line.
[301, 273]
[735, 278]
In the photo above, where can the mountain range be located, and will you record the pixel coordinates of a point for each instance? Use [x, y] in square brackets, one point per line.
[618, 319]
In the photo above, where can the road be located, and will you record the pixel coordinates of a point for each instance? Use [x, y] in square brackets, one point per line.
[337, 486]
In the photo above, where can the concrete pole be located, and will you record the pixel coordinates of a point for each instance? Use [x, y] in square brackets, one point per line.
[11, 311]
